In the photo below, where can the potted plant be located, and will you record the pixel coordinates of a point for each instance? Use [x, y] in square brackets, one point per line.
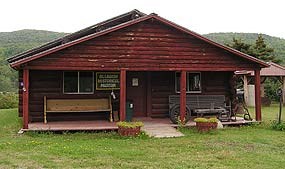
[129, 128]
[204, 124]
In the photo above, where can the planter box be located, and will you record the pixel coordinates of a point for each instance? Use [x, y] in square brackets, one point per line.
[123, 131]
[206, 126]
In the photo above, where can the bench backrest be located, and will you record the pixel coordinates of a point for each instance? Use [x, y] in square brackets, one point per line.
[77, 104]
[199, 101]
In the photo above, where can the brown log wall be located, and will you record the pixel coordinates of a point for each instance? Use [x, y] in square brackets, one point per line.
[49, 83]
[163, 85]
[144, 46]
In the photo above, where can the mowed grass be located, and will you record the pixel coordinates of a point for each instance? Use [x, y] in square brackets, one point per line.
[255, 146]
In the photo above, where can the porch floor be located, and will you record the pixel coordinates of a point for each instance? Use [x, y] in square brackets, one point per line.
[106, 125]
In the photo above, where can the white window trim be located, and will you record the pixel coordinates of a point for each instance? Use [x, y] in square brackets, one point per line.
[187, 79]
[78, 87]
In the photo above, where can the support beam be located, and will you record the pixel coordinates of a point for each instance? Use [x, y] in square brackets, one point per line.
[257, 95]
[122, 95]
[283, 89]
[182, 95]
[148, 97]
[245, 89]
[25, 98]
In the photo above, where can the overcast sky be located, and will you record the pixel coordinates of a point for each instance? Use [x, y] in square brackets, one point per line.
[201, 16]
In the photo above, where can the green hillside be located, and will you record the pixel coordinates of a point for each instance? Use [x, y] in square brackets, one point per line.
[278, 44]
[12, 43]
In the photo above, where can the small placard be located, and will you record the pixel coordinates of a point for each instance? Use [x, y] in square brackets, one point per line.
[135, 82]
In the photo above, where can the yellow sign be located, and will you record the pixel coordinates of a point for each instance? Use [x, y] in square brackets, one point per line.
[107, 80]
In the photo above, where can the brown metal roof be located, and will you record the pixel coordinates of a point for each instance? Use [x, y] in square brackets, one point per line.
[108, 26]
[273, 70]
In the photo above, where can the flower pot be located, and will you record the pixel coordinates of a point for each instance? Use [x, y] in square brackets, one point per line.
[124, 131]
[206, 126]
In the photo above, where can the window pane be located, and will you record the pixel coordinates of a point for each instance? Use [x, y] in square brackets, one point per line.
[194, 82]
[85, 82]
[70, 82]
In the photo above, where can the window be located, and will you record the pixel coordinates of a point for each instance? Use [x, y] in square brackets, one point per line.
[78, 82]
[193, 82]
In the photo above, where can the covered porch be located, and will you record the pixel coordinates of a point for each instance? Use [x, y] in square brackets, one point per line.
[148, 90]
[103, 125]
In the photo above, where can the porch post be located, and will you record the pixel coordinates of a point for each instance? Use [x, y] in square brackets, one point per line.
[245, 89]
[182, 95]
[25, 98]
[122, 95]
[257, 95]
[283, 88]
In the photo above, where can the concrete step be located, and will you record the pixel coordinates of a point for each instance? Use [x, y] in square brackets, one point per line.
[161, 131]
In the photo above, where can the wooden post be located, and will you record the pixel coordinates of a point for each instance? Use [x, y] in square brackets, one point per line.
[283, 89]
[25, 98]
[122, 95]
[148, 97]
[182, 95]
[245, 89]
[257, 95]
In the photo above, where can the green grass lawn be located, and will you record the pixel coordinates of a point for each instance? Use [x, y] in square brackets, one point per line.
[246, 147]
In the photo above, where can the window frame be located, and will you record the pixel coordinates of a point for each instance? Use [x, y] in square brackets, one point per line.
[187, 82]
[78, 83]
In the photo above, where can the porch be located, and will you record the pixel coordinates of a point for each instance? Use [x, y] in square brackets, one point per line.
[105, 125]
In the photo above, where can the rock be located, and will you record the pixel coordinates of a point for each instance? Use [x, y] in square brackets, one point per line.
[220, 125]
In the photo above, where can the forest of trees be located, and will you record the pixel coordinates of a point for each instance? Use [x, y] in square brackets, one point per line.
[12, 43]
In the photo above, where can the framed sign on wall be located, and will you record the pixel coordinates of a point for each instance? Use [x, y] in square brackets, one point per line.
[107, 80]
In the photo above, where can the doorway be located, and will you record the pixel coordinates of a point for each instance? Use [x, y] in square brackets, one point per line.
[136, 92]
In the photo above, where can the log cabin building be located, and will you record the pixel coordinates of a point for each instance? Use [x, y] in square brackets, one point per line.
[134, 56]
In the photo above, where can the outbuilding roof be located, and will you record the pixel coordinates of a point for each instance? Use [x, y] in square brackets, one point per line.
[273, 70]
[102, 28]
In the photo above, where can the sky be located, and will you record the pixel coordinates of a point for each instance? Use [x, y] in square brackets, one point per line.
[201, 16]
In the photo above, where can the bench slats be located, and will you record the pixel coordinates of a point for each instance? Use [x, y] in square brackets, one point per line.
[77, 105]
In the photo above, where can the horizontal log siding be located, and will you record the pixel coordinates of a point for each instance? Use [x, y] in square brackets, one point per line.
[144, 46]
[163, 85]
[49, 83]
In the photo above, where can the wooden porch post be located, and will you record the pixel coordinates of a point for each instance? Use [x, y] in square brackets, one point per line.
[182, 95]
[25, 98]
[245, 89]
[257, 95]
[283, 88]
[122, 95]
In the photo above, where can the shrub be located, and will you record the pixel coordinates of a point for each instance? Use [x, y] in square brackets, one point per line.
[205, 120]
[130, 124]
[8, 100]
[278, 126]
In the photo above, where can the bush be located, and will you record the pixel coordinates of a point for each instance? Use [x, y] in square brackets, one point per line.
[129, 124]
[278, 126]
[204, 120]
[271, 85]
[8, 100]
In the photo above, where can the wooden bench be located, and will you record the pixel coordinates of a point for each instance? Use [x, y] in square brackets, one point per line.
[77, 106]
[204, 104]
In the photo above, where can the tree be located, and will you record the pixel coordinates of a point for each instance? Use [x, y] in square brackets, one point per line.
[239, 45]
[258, 50]
[261, 51]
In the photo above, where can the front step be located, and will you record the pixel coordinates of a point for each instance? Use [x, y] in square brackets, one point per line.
[161, 130]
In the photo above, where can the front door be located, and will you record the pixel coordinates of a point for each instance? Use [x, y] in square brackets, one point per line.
[136, 91]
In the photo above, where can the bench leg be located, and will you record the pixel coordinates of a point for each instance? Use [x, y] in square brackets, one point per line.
[111, 116]
[45, 117]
